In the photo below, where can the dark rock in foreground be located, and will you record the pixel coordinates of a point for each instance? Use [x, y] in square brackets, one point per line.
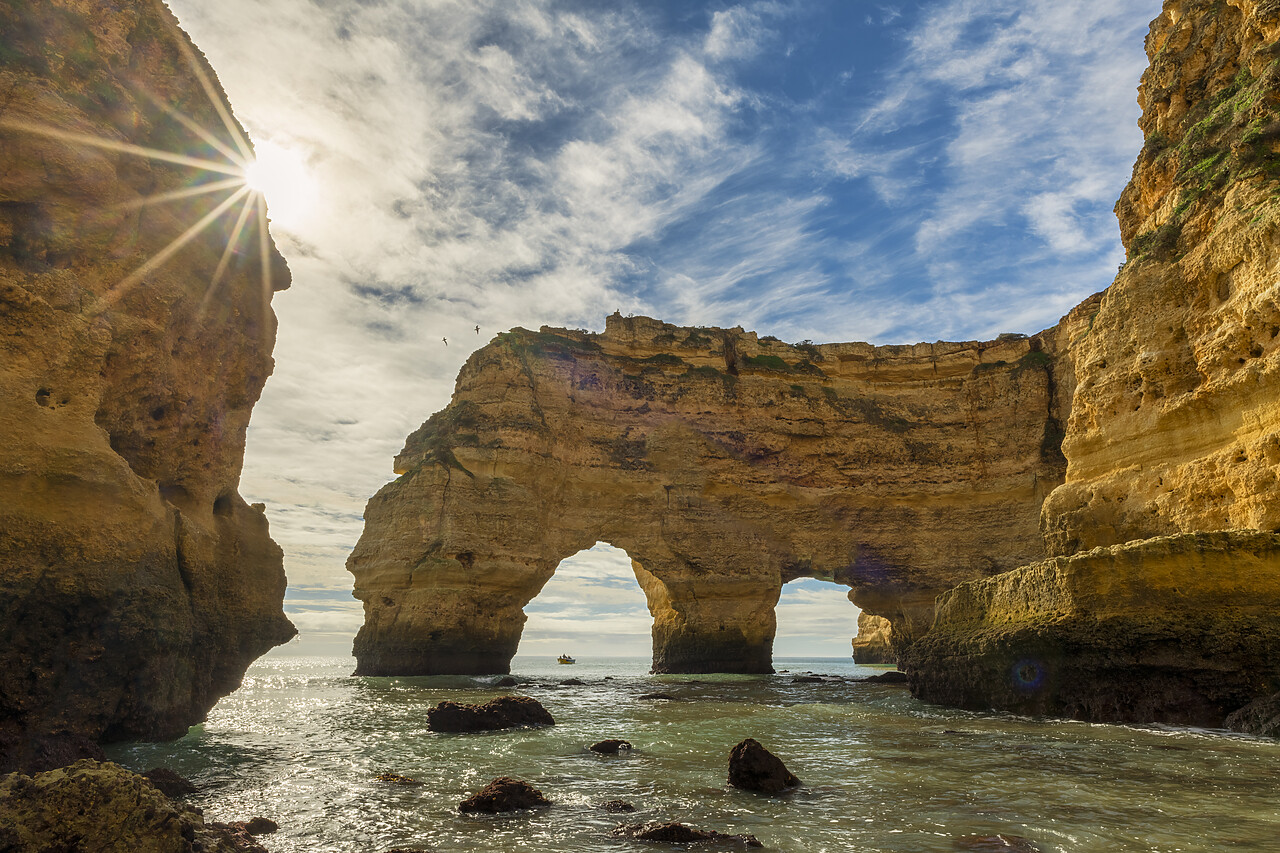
[678, 833]
[572, 682]
[617, 807]
[504, 794]
[1260, 717]
[893, 677]
[98, 806]
[610, 747]
[807, 679]
[169, 783]
[505, 712]
[754, 768]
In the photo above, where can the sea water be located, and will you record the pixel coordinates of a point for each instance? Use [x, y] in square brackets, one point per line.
[303, 741]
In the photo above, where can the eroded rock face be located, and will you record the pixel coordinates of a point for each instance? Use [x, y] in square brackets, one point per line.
[1175, 423]
[874, 643]
[135, 583]
[724, 465]
[1178, 629]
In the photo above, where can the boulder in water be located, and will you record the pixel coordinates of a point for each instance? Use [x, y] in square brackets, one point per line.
[678, 833]
[504, 794]
[754, 768]
[505, 712]
[169, 783]
[617, 806]
[610, 747]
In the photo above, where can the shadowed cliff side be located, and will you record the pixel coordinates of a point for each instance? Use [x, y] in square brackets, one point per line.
[1174, 431]
[725, 465]
[135, 584]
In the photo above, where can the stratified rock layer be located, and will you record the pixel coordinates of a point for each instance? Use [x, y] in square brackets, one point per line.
[1178, 629]
[1174, 426]
[725, 465]
[874, 643]
[135, 584]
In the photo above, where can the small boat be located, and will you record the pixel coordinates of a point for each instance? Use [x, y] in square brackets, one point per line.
[565, 659]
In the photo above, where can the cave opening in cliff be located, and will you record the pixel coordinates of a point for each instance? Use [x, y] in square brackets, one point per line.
[592, 606]
[815, 619]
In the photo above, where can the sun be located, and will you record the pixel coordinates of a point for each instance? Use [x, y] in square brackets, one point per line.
[281, 175]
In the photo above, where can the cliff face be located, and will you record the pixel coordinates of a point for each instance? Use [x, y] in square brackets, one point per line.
[724, 465]
[135, 583]
[1175, 424]
[874, 643]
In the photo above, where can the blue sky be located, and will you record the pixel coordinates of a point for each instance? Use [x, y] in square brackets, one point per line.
[890, 172]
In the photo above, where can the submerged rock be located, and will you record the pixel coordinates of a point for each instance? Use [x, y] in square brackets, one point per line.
[887, 678]
[610, 747]
[505, 712]
[1260, 717]
[678, 833]
[617, 807]
[505, 681]
[397, 779]
[504, 794]
[91, 805]
[663, 697]
[572, 682]
[807, 679]
[754, 768]
[169, 783]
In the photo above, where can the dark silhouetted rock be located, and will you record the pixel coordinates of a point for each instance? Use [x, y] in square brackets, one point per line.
[98, 806]
[996, 844]
[505, 681]
[258, 825]
[169, 783]
[754, 768]
[618, 807]
[397, 779]
[891, 677]
[678, 833]
[806, 679]
[664, 696]
[572, 682]
[1259, 717]
[505, 712]
[504, 794]
[610, 747]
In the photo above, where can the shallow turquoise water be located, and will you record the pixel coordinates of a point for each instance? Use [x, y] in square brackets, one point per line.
[302, 741]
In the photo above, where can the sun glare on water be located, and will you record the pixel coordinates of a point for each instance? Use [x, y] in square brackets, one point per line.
[281, 175]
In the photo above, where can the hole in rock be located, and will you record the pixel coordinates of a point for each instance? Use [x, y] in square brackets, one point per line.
[816, 619]
[591, 607]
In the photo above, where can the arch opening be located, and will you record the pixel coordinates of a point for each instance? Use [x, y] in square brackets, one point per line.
[591, 606]
[815, 619]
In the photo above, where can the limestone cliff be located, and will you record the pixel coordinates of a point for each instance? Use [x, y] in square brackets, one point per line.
[1174, 426]
[135, 583]
[725, 465]
[874, 643]
[1175, 422]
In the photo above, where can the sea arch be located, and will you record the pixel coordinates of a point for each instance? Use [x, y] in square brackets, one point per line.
[724, 465]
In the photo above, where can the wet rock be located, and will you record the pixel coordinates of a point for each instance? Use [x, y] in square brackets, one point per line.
[678, 833]
[891, 677]
[505, 712]
[91, 805]
[169, 783]
[806, 679]
[258, 825]
[610, 747]
[239, 837]
[504, 794]
[663, 696]
[505, 681]
[397, 779]
[996, 844]
[572, 682]
[1260, 717]
[618, 807]
[754, 768]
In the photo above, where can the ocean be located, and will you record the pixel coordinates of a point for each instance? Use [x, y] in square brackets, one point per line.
[302, 741]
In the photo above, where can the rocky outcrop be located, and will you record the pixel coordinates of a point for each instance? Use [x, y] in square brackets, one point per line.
[1175, 422]
[505, 712]
[135, 584]
[725, 465]
[1178, 629]
[874, 643]
[1174, 425]
[754, 768]
[679, 833]
[97, 806]
[1260, 717]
